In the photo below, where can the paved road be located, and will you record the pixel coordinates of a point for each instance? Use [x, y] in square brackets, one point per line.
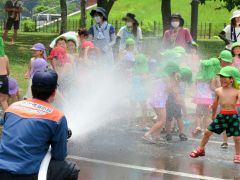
[117, 152]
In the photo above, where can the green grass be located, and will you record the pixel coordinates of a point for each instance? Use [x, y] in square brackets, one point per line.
[150, 10]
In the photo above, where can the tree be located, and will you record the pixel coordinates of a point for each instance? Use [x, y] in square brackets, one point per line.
[228, 4]
[63, 6]
[106, 4]
[194, 19]
[166, 14]
[83, 14]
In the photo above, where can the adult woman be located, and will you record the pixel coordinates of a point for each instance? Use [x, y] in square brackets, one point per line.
[231, 33]
[103, 35]
[177, 35]
[130, 30]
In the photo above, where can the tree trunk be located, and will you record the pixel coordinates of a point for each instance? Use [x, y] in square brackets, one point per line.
[83, 14]
[166, 14]
[63, 6]
[106, 4]
[194, 19]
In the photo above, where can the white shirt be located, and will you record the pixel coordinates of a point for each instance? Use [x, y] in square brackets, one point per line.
[227, 30]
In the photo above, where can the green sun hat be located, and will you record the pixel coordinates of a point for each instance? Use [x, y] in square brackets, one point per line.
[141, 64]
[233, 72]
[216, 65]
[2, 52]
[171, 67]
[208, 69]
[226, 56]
[186, 74]
[130, 41]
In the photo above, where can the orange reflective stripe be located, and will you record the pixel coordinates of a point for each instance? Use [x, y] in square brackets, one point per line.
[35, 109]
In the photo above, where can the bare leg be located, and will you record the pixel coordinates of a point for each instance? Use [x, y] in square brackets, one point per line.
[205, 139]
[14, 36]
[225, 138]
[168, 126]
[206, 119]
[144, 113]
[180, 125]
[161, 114]
[198, 117]
[3, 101]
[237, 144]
[5, 35]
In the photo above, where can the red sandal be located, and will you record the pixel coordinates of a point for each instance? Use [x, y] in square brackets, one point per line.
[197, 152]
[237, 159]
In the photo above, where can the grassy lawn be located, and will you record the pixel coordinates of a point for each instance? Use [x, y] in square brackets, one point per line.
[20, 54]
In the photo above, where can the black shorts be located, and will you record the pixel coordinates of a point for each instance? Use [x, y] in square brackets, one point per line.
[3, 84]
[229, 122]
[11, 22]
[173, 110]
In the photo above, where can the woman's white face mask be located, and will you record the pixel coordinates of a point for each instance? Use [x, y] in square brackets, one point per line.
[129, 24]
[97, 19]
[175, 24]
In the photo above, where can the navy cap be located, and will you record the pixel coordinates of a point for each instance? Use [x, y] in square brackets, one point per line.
[46, 78]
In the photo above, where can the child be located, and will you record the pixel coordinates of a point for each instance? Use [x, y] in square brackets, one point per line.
[127, 56]
[138, 89]
[61, 42]
[13, 91]
[236, 55]
[158, 102]
[4, 72]
[203, 96]
[59, 59]
[226, 96]
[39, 54]
[175, 102]
[225, 58]
[88, 51]
[71, 46]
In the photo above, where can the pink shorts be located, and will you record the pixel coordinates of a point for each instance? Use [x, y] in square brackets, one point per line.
[206, 101]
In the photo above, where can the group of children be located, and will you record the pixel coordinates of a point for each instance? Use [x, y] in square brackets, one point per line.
[216, 92]
[160, 84]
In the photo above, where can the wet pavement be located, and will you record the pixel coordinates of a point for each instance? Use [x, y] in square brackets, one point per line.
[117, 152]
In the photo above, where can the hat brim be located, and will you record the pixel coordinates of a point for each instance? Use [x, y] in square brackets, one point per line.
[235, 16]
[93, 12]
[225, 60]
[36, 49]
[224, 75]
[96, 11]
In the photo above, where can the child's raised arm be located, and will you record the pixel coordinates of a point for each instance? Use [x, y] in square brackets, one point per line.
[215, 105]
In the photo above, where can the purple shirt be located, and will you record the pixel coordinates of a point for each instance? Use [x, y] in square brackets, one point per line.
[181, 38]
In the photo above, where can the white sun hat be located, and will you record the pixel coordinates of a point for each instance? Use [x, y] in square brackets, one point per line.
[236, 14]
